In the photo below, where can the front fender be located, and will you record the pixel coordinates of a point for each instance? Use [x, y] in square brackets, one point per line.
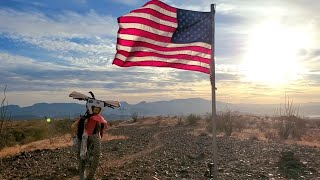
[92, 122]
[98, 118]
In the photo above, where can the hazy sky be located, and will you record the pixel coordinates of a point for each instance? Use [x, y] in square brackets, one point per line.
[264, 50]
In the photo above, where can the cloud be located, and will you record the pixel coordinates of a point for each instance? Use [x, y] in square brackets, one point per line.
[22, 73]
[70, 50]
[65, 25]
[77, 39]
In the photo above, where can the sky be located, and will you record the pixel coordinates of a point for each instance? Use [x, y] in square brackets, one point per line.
[264, 50]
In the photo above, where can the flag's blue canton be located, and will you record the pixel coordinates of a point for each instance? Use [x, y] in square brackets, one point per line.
[193, 27]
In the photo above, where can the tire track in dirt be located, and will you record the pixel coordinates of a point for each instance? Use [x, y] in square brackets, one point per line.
[156, 144]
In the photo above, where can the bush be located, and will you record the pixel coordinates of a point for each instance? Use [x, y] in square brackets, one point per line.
[290, 165]
[208, 118]
[317, 123]
[5, 115]
[225, 121]
[193, 119]
[23, 132]
[290, 124]
[60, 127]
[239, 124]
[270, 135]
[180, 120]
[135, 116]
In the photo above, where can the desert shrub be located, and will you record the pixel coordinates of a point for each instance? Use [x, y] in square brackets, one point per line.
[299, 129]
[4, 113]
[253, 137]
[239, 124]
[270, 135]
[290, 124]
[18, 136]
[290, 165]
[60, 127]
[192, 119]
[23, 132]
[180, 120]
[285, 127]
[208, 118]
[115, 122]
[30, 134]
[225, 121]
[23, 135]
[6, 141]
[263, 125]
[134, 116]
[316, 123]
[252, 122]
[159, 118]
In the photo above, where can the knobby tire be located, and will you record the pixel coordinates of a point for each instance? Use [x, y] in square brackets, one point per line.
[88, 166]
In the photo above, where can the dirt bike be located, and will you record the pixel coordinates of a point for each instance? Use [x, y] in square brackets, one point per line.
[90, 129]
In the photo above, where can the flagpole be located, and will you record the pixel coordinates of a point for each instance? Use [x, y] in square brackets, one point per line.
[213, 91]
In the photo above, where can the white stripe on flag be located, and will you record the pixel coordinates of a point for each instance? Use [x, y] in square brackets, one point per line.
[160, 10]
[146, 49]
[153, 18]
[145, 28]
[162, 44]
[167, 60]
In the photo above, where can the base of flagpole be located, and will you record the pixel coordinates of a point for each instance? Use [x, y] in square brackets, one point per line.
[209, 171]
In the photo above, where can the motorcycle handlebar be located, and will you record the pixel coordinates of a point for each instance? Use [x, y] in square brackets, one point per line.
[92, 95]
[82, 97]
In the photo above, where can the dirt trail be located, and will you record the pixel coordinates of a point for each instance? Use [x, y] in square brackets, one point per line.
[156, 144]
[53, 143]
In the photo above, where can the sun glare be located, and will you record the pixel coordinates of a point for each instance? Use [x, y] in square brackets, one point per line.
[272, 56]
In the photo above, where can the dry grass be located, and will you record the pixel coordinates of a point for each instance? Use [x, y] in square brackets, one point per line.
[53, 143]
[262, 129]
[265, 129]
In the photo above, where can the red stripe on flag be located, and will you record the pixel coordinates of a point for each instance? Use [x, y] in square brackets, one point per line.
[162, 5]
[156, 14]
[142, 33]
[176, 56]
[130, 19]
[118, 62]
[130, 43]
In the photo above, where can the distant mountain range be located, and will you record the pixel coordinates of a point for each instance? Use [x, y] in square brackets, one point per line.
[172, 107]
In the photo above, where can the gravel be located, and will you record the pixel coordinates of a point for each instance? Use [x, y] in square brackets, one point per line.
[172, 152]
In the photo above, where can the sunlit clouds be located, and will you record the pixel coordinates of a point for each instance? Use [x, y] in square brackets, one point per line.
[263, 50]
[272, 56]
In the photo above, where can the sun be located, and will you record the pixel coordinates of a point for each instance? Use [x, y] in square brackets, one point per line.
[272, 57]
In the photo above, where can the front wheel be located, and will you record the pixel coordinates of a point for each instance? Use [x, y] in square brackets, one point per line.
[89, 165]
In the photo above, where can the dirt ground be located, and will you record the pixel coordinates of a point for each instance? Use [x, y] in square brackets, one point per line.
[162, 149]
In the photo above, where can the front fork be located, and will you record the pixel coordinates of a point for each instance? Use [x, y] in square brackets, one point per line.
[84, 142]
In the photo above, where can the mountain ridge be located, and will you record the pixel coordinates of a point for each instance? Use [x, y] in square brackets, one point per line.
[144, 108]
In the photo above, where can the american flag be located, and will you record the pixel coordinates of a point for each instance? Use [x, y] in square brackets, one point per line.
[163, 36]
